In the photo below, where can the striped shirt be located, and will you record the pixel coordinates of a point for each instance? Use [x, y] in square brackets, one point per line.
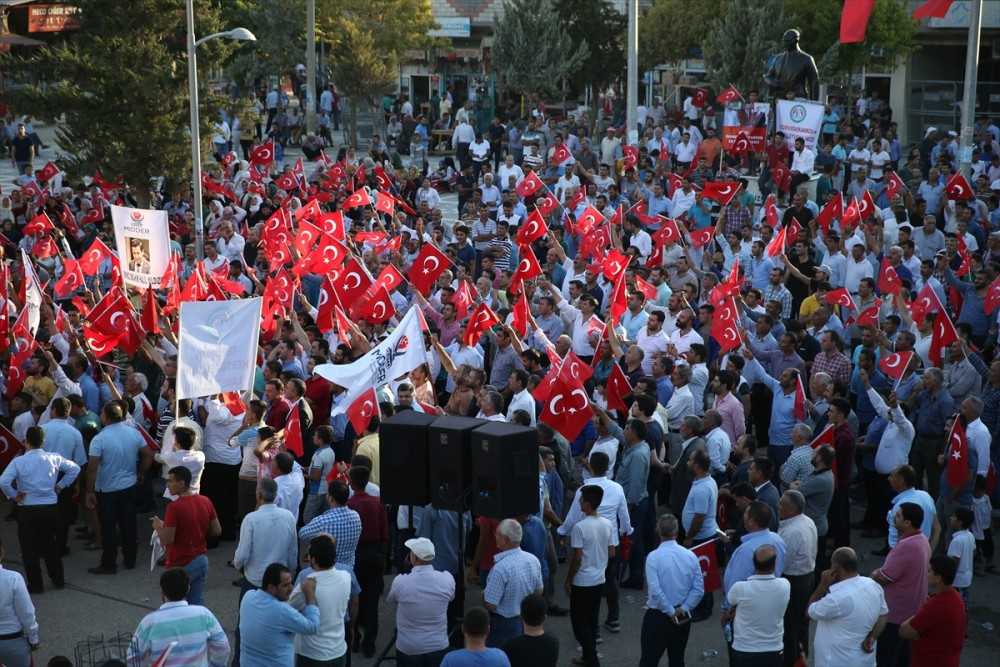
[200, 639]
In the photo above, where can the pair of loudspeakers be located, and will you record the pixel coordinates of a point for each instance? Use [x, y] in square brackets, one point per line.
[459, 463]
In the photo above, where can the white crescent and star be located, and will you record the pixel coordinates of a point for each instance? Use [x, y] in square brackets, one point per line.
[583, 403]
[356, 277]
[555, 402]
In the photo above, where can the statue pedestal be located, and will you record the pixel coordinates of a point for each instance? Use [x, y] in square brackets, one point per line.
[754, 189]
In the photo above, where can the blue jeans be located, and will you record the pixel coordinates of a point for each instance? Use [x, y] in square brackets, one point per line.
[432, 659]
[197, 571]
[502, 629]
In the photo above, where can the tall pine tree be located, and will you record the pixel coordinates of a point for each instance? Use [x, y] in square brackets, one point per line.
[122, 83]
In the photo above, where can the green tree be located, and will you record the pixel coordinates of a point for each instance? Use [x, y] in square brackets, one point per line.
[532, 50]
[367, 40]
[122, 84]
[667, 35]
[606, 61]
[738, 46]
[280, 28]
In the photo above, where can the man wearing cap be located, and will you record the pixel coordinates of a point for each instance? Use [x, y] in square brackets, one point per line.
[422, 598]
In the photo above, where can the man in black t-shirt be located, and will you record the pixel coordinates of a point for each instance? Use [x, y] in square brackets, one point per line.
[23, 149]
[535, 648]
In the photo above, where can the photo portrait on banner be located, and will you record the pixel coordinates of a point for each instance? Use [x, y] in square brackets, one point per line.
[143, 240]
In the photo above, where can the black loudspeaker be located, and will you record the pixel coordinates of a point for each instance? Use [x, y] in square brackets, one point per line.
[505, 470]
[450, 441]
[403, 458]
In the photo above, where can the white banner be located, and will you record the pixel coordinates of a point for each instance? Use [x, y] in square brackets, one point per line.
[32, 294]
[143, 240]
[398, 354]
[218, 346]
[799, 119]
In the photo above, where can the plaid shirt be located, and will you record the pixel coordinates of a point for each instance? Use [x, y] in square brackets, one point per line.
[736, 217]
[345, 526]
[515, 575]
[837, 365]
[781, 295]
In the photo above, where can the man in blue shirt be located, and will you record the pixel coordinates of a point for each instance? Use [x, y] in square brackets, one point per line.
[698, 516]
[782, 407]
[268, 625]
[632, 475]
[756, 518]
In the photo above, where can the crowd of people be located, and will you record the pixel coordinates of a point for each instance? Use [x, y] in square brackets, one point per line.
[750, 371]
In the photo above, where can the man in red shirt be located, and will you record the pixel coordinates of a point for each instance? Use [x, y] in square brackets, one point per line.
[777, 153]
[277, 406]
[937, 631]
[369, 559]
[189, 520]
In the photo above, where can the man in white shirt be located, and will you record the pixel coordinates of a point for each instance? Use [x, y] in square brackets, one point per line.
[508, 169]
[652, 340]
[717, 441]
[803, 162]
[333, 597]
[291, 483]
[521, 399]
[428, 194]
[685, 334]
[230, 244]
[850, 613]
[758, 606]
[422, 598]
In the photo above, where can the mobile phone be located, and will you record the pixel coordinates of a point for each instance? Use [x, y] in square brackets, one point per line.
[682, 617]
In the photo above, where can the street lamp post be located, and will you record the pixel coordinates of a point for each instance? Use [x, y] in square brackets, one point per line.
[237, 33]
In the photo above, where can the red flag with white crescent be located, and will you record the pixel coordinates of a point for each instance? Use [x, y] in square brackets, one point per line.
[895, 364]
[361, 411]
[709, 565]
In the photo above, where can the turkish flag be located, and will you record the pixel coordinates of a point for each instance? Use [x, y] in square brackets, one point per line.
[742, 144]
[546, 203]
[150, 313]
[826, 438]
[31, 190]
[561, 154]
[888, 279]
[534, 228]
[379, 307]
[383, 179]
[771, 212]
[527, 268]
[72, 278]
[327, 300]
[936, 8]
[698, 97]
[992, 297]
[359, 198]
[482, 319]
[306, 237]
[619, 300]
[958, 456]
[777, 244]
[926, 302]
[958, 187]
[852, 216]
[728, 288]
[40, 223]
[390, 278]
[9, 446]
[589, 219]
[709, 565]
[579, 199]
[48, 172]
[370, 237]
[385, 203]
[615, 264]
[782, 176]
[650, 290]
[597, 242]
[866, 205]
[674, 181]
[45, 248]
[263, 154]
[351, 282]
[574, 367]
[799, 404]
[944, 335]
[725, 329]
[664, 155]
[702, 237]
[361, 411]
[462, 299]
[618, 388]
[427, 267]
[332, 225]
[656, 257]
[631, 156]
[567, 408]
[840, 297]
[519, 322]
[668, 232]
[343, 325]
[327, 256]
[869, 316]
[721, 191]
[94, 215]
[854, 20]
[529, 185]
[309, 212]
[895, 364]
[293, 431]
[895, 184]
[730, 94]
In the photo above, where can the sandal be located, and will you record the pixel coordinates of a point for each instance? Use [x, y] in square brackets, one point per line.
[90, 546]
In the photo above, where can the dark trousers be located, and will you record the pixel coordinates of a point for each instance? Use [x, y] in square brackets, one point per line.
[763, 659]
[923, 458]
[245, 587]
[822, 560]
[462, 154]
[637, 556]
[796, 621]
[37, 526]
[839, 517]
[303, 661]
[892, 650]
[778, 456]
[584, 607]
[659, 635]
[760, 411]
[368, 568]
[611, 591]
[220, 484]
[432, 659]
[116, 511]
[67, 516]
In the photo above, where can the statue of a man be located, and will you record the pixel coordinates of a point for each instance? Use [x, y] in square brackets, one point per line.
[793, 70]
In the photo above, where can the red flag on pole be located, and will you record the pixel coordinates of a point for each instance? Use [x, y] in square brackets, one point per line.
[699, 96]
[992, 297]
[9, 447]
[529, 185]
[561, 154]
[854, 20]
[618, 388]
[730, 94]
[709, 565]
[958, 187]
[888, 279]
[958, 456]
[482, 319]
[895, 185]
[895, 364]
[361, 411]
[293, 431]
[944, 334]
[534, 228]
[840, 297]
[567, 408]
[936, 8]
[799, 405]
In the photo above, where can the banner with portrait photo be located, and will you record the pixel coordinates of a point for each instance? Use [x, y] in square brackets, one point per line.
[799, 119]
[143, 240]
[217, 346]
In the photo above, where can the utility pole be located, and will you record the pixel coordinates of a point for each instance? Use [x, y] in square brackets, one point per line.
[310, 65]
[632, 95]
[969, 98]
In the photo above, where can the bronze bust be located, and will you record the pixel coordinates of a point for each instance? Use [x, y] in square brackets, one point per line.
[794, 70]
